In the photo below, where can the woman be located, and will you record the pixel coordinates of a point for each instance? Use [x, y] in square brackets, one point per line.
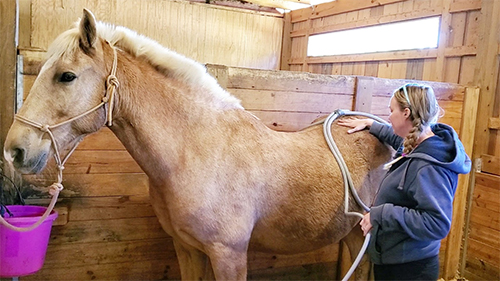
[412, 212]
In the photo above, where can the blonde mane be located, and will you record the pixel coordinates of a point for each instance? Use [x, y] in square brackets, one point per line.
[163, 59]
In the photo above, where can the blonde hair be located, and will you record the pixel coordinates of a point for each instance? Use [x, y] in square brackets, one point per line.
[424, 108]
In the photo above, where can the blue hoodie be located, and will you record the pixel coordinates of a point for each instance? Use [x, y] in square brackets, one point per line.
[412, 211]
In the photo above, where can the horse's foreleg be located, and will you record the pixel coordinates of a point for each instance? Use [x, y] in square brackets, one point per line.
[194, 264]
[354, 241]
[229, 263]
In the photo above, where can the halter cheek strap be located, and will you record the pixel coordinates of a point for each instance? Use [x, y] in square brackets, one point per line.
[111, 85]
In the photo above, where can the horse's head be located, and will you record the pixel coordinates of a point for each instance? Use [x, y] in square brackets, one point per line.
[71, 81]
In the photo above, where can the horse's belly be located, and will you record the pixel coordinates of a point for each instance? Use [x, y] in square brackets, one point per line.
[285, 240]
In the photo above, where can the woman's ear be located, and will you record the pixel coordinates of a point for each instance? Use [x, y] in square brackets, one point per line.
[407, 112]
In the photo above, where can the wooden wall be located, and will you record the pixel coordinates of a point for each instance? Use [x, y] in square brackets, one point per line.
[467, 54]
[107, 229]
[453, 61]
[208, 34]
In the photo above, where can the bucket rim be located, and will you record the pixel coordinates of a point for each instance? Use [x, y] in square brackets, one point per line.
[40, 210]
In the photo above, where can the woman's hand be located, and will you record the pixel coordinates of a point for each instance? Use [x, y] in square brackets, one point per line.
[366, 225]
[355, 124]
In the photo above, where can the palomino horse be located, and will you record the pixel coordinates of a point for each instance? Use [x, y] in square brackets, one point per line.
[219, 179]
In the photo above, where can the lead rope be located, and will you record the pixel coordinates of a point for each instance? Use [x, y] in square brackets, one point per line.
[54, 189]
[348, 184]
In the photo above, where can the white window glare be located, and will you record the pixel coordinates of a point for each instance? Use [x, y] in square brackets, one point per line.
[407, 35]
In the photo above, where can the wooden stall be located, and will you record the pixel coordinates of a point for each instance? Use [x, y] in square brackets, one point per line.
[107, 228]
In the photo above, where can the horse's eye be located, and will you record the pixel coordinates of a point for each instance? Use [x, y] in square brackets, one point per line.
[67, 77]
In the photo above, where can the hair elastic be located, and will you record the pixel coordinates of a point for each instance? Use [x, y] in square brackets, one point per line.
[406, 94]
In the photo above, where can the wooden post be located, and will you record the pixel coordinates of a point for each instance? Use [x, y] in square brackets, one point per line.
[8, 59]
[486, 72]
[467, 127]
[363, 94]
[286, 42]
[444, 32]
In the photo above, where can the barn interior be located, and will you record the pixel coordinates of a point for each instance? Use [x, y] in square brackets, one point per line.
[259, 51]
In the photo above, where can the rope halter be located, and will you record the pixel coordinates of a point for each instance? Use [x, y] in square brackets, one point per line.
[54, 189]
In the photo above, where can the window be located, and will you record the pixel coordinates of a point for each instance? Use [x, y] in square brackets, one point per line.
[407, 35]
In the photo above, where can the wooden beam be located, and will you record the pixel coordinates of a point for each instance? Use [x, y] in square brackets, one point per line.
[471, 5]
[8, 59]
[337, 7]
[364, 93]
[372, 21]
[444, 32]
[487, 70]
[494, 123]
[286, 42]
[390, 56]
[452, 254]
[490, 164]
[283, 4]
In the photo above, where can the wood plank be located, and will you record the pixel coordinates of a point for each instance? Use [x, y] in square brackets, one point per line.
[486, 198]
[101, 162]
[415, 69]
[457, 26]
[108, 208]
[494, 123]
[78, 185]
[287, 121]
[259, 260]
[317, 271]
[28, 81]
[486, 218]
[467, 71]
[452, 70]
[8, 60]
[477, 270]
[131, 270]
[113, 230]
[291, 101]
[390, 56]
[490, 164]
[443, 91]
[487, 70]
[286, 48]
[485, 235]
[104, 139]
[242, 78]
[364, 94]
[203, 24]
[429, 70]
[463, 6]
[444, 32]
[484, 252]
[112, 252]
[467, 129]
[372, 21]
[336, 7]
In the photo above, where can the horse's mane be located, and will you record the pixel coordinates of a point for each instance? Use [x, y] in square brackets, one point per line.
[163, 59]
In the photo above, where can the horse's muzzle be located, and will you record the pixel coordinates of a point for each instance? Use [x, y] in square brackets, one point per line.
[27, 152]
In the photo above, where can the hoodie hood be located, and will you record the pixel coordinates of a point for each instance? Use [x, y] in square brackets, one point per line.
[444, 149]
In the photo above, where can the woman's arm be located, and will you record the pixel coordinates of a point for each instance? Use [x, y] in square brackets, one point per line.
[382, 131]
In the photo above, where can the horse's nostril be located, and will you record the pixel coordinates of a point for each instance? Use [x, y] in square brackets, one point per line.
[18, 155]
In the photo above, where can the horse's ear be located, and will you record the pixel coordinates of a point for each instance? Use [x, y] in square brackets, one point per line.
[88, 32]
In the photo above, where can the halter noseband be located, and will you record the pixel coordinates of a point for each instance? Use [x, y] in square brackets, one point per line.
[111, 85]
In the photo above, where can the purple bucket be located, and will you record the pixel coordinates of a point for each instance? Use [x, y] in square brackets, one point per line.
[23, 253]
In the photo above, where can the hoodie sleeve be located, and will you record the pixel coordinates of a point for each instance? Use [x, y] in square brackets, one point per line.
[386, 135]
[432, 189]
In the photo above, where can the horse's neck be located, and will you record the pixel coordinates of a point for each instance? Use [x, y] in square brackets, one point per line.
[155, 116]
